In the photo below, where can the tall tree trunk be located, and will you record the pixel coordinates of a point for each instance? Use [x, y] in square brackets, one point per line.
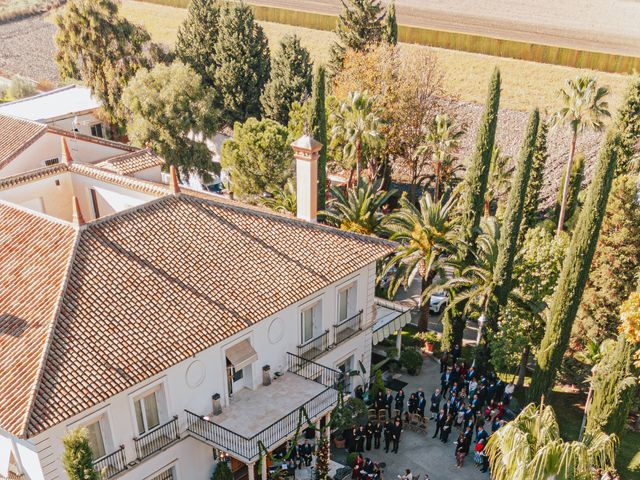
[487, 208]
[436, 190]
[567, 181]
[423, 323]
[358, 165]
[522, 369]
[575, 271]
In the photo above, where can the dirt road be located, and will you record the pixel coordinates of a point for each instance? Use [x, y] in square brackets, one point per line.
[611, 26]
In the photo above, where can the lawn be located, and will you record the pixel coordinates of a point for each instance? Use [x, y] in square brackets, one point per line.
[525, 84]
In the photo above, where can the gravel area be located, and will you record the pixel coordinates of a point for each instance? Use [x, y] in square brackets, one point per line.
[28, 49]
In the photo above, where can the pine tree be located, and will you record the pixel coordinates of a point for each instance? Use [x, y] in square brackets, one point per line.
[575, 183]
[615, 263]
[290, 79]
[575, 271]
[391, 25]
[360, 24]
[319, 124]
[614, 386]
[475, 187]
[322, 458]
[95, 44]
[510, 228]
[530, 215]
[242, 63]
[77, 457]
[197, 37]
[629, 125]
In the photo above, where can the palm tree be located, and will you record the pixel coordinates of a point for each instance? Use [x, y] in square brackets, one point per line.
[356, 124]
[584, 106]
[443, 142]
[530, 448]
[424, 234]
[283, 200]
[499, 178]
[359, 209]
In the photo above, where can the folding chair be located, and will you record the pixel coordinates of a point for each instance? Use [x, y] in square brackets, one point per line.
[373, 414]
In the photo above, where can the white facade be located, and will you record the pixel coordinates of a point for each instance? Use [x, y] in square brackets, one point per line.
[190, 385]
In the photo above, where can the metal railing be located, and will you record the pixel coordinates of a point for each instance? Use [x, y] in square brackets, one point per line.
[314, 347]
[347, 328]
[157, 439]
[248, 448]
[111, 465]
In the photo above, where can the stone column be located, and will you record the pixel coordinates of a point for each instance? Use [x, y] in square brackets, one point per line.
[318, 431]
[264, 467]
[251, 470]
[399, 341]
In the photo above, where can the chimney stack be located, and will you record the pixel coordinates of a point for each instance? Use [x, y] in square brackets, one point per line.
[174, 185]
[66, 153]
[78, 219]
[306, 152]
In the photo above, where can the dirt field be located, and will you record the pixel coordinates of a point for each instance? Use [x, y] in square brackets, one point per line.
[603, 26]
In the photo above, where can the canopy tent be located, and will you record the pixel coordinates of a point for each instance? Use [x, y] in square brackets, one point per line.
[390, 317]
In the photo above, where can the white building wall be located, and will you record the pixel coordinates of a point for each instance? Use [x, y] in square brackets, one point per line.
[190, 384]
[69, 123]
[153, 174]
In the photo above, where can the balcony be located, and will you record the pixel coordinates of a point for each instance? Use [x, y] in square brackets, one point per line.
[255, 417]
[314, 347]
[111, 464]
[157, 439]
[347, 328]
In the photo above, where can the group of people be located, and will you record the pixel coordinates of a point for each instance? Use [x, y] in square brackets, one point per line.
[296, 455]
[366, 437]
[365, 469]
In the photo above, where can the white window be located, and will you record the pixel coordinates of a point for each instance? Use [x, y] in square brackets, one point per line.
[311, 321]
[51, 161]
[346, 302]
[96, 439]
[168, 474]
[96, 130]
[147, 416]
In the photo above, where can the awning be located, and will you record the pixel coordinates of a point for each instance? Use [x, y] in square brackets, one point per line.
[390, 317]
[241, 354]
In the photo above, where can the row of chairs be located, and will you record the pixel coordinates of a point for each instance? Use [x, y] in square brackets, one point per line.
[412, 421]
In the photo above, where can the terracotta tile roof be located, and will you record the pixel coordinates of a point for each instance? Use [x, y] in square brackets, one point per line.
[194, 270]
[91, 139]
[131, 162]
[17, 134]
[32, 175]
[144, 186]
[35, 253]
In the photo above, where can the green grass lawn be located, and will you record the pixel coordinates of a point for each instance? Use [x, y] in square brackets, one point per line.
[525, 84]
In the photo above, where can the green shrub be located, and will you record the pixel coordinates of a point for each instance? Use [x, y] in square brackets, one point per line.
[351, 411]
[21, 87]
[351, 459]
[77, 457]
[412, 360]
[222, 472]
[427, 337]
[377, 385]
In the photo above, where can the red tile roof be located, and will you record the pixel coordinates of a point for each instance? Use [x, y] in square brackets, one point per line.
[152, 286]
[131, 162]
[17, 134]
[35, 253]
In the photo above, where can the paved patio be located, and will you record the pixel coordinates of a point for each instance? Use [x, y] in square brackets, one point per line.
[422, 454]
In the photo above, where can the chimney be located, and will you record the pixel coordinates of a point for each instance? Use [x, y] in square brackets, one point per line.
[174, 186]
[66, 153]
[306, 152]
[78, 219]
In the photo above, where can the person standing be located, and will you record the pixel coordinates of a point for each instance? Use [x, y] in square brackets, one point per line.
[407, 475]
[350, 438]
[455, 353]
[307, 451]
[400, 401]
[440, 419]
[445, 380]
[460, 450]
[413, 403]
[360, 437]
[446, 428]
[468, 438]
[388, 402]
[395, 437]
[435, 403]
[481, 435]
[357, 466]
[368, 432]
[377, 433]
[422, 404]
[444, 361]
[387, 432]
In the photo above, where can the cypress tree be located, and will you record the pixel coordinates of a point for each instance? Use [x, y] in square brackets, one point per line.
[77, 457]
[575, 271]
[242, 63]
[290, 81]
[197, 38]
[628, 123]
[510, 228]
[391, 25]
[319, 124]
[360, 24]
[475, 187]
[613, 385]
[532, 201]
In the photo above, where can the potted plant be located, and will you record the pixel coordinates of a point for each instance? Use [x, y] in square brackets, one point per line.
[428, 339]
[352, 411]
[412, 360]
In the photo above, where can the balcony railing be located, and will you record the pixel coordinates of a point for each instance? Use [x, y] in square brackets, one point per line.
[157, 439]
[111, 465]
[347, 328]
[248, 448]
[314, 347]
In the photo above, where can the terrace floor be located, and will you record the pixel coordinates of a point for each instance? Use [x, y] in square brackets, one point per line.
[251, 411]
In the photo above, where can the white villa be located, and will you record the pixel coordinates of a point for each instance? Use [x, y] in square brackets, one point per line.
[71, 108]
[178, 327]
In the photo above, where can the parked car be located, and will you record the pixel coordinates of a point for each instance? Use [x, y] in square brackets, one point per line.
[386, 279]
[438, 302]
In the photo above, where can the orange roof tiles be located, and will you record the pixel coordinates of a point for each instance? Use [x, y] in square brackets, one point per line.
[17, 134]
[34, 258]
[131, 162]
[154, 285]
